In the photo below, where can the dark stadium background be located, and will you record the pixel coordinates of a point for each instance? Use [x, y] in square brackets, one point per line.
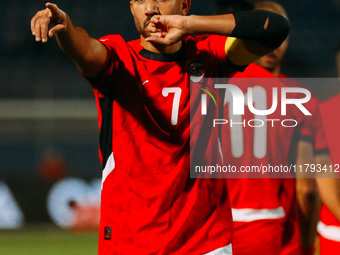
[34, 73]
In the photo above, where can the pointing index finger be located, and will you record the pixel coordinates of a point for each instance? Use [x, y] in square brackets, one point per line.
[53, 8]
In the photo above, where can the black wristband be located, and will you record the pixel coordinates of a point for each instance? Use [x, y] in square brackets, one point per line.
[250, 25]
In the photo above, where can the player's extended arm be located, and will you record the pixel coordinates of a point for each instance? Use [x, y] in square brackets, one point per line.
[329, 186]
[307, 196]
[89, 54]
[261, 31]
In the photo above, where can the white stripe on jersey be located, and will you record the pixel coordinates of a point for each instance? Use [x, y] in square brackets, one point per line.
[247, 215]
[329, 232]
[110, 165]
[227, 250]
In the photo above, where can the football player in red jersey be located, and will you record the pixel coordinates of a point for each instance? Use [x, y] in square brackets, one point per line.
[329, 225]
[306, 189]
[149, 203]
[257, 203]
[303, 188]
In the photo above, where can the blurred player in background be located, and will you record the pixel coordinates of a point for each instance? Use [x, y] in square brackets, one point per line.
[304, 189]
[329, 225]
[310, 149]
[267, 207]
[149, 203]
[299, 196]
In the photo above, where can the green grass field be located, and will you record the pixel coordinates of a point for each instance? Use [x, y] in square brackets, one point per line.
[47, 240]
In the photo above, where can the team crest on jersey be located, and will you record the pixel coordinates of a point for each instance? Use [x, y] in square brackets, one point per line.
[107, 233]
[195, 70]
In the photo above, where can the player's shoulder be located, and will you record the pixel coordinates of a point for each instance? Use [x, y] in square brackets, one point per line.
[116, 41]
[112, 38]
[331, 103]
[298, 83]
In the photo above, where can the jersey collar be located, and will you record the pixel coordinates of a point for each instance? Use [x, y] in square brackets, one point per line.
[162, 57]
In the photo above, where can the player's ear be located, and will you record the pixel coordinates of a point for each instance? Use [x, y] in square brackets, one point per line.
[131, 9]
[185, 6]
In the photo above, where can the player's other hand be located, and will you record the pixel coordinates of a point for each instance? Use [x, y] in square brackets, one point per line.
[166, 29]
[48, 22]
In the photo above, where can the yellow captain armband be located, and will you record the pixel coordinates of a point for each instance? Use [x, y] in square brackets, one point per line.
[238, 54]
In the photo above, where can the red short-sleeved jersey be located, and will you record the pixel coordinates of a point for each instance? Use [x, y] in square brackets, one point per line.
[149, 203]
[280, 142]
[331, 125]
[267, 199]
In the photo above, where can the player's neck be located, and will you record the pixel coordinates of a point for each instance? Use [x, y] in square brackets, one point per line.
[276, 71]
[160, 48]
